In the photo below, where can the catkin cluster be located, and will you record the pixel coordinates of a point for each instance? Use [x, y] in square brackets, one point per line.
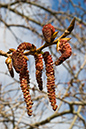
[19, 61]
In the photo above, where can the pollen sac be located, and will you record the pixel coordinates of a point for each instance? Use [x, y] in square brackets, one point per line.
[39, 68]
[9, 65]
[48, 31]
[50, 79]
[66, 51]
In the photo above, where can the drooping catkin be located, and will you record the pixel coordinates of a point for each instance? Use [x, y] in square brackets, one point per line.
[26, 93]
[39, 68]
[50, 79]
[20, 64]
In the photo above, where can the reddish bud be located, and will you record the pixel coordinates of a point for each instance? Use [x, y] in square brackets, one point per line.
[48, 31]
[9, 65]
[66, 51]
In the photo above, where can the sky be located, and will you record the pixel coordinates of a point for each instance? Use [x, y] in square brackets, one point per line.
[7, 41]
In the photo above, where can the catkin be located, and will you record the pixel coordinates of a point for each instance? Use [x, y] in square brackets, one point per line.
[50, 79]
[39, 68]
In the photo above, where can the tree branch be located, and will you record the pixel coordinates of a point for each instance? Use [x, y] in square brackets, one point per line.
[75, 118]
[49, 119]
[2, 53]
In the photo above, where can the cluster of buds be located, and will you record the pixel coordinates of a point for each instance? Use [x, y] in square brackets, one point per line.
[39, 68]
[64, 47]
[50, 79]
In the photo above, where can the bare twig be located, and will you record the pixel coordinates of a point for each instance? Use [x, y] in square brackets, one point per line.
[75, 118]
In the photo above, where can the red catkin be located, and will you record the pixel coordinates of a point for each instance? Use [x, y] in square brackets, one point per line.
[65, 50]
[20, 64]
[26, 93]
[50, 79]
[39, 68]
[48, 30]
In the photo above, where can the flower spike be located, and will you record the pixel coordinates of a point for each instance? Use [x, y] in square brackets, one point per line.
[39, 68]
[19, 61]
[50, 79]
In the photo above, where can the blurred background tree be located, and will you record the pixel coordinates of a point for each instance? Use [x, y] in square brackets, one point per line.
[22, 21]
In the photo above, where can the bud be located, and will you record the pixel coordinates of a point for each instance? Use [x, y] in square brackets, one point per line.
[48, 33]
[9, 65]
[65, 50]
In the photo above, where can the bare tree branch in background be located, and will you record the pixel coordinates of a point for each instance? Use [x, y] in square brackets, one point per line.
[23, 20]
